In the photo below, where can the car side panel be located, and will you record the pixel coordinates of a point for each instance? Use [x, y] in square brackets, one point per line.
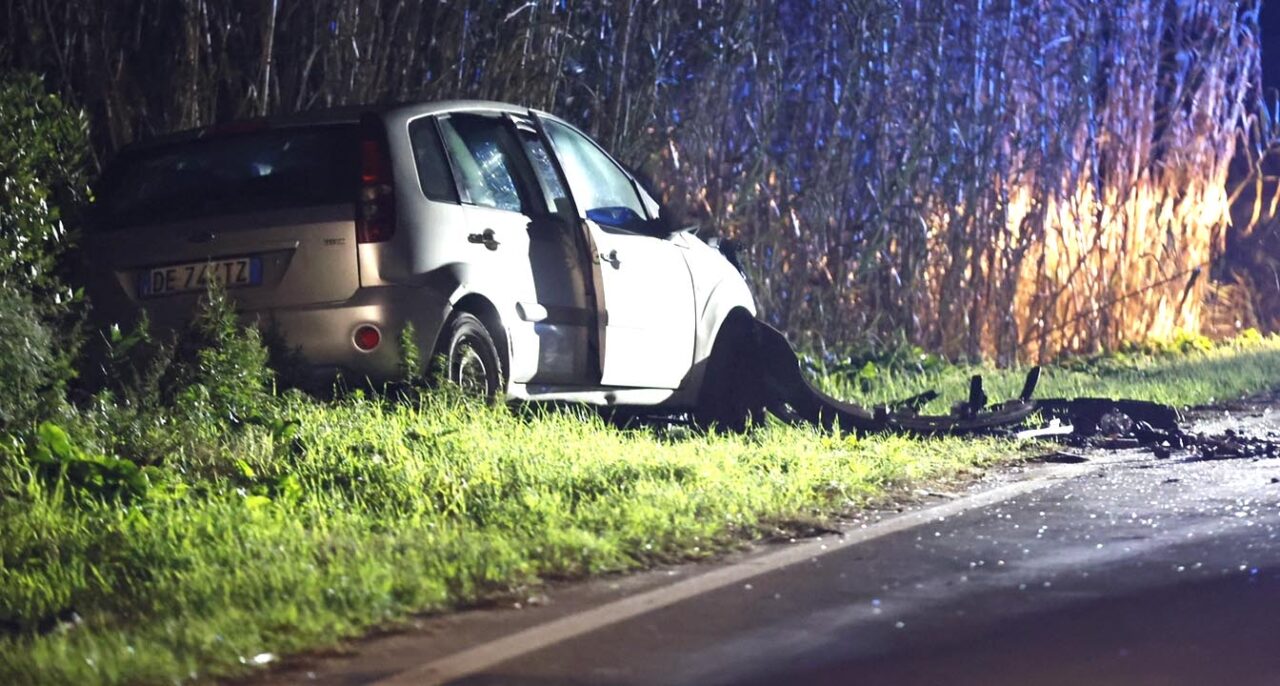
[428, 255]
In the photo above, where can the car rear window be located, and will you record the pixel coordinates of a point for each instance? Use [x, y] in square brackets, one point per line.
[433, 167]
[271, 169]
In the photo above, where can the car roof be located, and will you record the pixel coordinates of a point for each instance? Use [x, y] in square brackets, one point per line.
[351, 114]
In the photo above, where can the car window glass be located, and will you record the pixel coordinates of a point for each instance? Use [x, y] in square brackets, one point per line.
[597, 183]
[552, 190]
[476, 145]
[433, 167]
[253, 171]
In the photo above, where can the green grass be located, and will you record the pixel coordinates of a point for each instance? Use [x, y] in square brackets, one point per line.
[403, 508]
[281, 536]
[1185, 373]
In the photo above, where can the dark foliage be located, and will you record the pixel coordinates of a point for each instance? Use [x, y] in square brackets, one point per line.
[31, 370]
[42, 149]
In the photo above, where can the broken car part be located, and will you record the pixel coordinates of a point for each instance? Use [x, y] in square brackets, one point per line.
[755, 370]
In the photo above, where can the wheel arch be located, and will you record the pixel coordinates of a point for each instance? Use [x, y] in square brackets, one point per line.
[483, 309]
[728, 395]
[728, 326]
[729, 296]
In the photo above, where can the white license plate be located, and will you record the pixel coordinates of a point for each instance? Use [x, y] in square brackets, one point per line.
[195, 276]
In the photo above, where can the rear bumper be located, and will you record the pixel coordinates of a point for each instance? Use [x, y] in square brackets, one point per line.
[323, 335]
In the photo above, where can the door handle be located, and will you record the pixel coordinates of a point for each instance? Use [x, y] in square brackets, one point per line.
[611, 258]
[487, 239]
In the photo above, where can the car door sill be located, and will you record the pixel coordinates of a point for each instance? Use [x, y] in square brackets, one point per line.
[596, 395]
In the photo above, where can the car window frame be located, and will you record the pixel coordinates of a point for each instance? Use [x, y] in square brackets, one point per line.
[635, 185]
[451, 170]
[520, 166]
[525, 124]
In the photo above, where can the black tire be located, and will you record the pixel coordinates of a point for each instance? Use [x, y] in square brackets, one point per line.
[470, 358]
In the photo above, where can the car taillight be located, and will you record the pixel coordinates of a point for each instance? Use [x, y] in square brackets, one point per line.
[376, 205]
[366, 337]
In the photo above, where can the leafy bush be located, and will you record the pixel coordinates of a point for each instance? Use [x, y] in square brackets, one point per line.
[82, 473]
[865, 366]
[32, 372]
[159, 402]
[219, 366]
[132, 364]
[412, 367]
[42, 153]
[1180, 343]
[43, 144]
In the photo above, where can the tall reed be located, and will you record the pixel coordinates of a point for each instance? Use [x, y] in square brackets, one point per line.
[1007, 178]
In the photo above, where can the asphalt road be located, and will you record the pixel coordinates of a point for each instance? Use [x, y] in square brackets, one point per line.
[1125, 570]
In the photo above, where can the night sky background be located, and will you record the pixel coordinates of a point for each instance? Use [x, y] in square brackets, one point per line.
[1271, 43]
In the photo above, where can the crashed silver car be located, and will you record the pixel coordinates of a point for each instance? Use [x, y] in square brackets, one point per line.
[522, 254]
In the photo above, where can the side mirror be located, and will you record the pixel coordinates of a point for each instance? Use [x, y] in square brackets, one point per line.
[627, 219]
[667, 224]
[623, 218]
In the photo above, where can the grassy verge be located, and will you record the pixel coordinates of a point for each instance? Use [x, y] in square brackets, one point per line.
[374, 510]
[324, 519]
[1185, 372]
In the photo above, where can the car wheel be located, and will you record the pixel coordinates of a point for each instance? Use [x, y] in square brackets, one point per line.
[471, 359]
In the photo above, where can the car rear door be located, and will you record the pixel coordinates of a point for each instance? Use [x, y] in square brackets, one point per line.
[521, 262]
[645, 280]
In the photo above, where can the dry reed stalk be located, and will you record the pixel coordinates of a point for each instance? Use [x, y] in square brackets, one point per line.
[1000, 178]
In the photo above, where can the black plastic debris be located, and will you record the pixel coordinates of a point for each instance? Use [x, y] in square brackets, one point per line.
[1231, 446]
[784, 391]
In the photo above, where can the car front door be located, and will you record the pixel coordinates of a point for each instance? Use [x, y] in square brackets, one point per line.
[645, 282]
[519, 260]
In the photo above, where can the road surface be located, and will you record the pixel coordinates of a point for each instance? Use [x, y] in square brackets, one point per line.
[1125, 569]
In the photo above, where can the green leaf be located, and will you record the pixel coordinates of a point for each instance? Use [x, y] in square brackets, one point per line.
[869, 371]
[55, 440]
[289, 488]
